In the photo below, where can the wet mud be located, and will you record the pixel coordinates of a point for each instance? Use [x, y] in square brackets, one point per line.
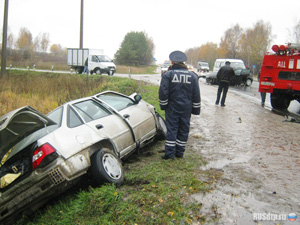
[258, 153]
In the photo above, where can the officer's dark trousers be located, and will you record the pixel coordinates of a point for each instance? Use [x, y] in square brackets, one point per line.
[178, 126]
[263, 97]
[223, 86]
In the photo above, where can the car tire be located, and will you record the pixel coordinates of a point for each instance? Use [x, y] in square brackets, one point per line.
[78, 70]
[280, 101]
[248, 82]
[98, 72]
[110, 73]
[106, 167]
[161, 127]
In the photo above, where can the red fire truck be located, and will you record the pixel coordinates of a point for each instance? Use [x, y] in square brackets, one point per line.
[280, 75]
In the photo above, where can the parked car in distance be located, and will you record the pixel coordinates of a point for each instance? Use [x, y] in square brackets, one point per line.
[202, 66]
[42, 156]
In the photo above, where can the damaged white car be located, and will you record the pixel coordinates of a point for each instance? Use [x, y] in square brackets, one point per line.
[42, 156]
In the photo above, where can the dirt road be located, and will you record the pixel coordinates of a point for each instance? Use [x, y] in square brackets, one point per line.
[256, 151]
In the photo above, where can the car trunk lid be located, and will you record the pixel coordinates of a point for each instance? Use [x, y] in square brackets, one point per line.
[17, 124]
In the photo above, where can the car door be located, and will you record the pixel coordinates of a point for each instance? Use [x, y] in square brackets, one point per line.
[137, 114]
[106, 124]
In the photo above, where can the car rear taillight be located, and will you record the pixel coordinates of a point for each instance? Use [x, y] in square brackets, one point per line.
[43, 155]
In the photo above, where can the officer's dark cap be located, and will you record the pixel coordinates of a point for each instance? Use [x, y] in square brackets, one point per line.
[177, 56]
[227, 63]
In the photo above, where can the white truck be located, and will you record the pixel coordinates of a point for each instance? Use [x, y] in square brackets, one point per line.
[96, 61]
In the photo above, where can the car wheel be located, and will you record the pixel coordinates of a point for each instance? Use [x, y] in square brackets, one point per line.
[98, 71]
[248, 82]
[280, 101]
[78, 70]
[110, 73]
[161, 127]
[106, 167]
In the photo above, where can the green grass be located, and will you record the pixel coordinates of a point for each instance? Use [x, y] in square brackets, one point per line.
[155, 191]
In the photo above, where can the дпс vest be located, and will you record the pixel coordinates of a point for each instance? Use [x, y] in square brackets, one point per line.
[179, 91]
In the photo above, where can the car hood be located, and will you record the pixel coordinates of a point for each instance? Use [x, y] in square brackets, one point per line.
[17, 124]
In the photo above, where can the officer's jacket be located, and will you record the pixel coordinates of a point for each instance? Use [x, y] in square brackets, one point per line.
[179, 91]
[225, 73]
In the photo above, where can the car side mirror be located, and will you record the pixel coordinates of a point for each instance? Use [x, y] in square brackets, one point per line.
[137, 98]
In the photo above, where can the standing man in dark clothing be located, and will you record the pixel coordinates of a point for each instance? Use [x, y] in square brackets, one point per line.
[224, 76]
[179, 96]
[86, 64]
[262, 94]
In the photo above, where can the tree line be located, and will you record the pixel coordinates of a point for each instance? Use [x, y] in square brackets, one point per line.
[137, 48]
[249, 44]
[26, 45]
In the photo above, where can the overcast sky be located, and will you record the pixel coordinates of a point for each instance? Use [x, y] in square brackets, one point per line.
[172, 24]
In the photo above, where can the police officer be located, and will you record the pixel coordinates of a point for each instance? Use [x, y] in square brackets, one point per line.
[179, 96]
[224, 76]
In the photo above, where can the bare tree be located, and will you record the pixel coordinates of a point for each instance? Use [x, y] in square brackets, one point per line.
[37, 43]
[192, 55]
[10, 42]
[45, 42]
[229, 42]
[255, 42]
[295, 33]
[207, 52]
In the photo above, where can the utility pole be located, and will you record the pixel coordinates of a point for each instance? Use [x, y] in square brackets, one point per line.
[4, 39]
[81, 25]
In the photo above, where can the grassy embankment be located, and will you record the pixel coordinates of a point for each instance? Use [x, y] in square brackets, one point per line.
[154, 192]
